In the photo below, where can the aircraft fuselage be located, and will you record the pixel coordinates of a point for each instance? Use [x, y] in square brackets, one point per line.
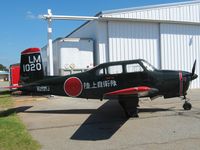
[98, 81]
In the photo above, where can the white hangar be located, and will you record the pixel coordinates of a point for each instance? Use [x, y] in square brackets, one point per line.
[168, 36]
[70, 55]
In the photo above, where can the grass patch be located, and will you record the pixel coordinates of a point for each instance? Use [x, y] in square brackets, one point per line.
[13, 134]
[5, 101]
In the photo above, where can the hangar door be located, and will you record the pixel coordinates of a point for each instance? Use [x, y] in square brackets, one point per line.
[133, 40]
[180, 46]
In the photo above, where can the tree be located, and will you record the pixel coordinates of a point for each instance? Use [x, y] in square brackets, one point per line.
[3, 68]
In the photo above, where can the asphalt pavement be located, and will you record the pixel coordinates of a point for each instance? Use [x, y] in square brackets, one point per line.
[62, 123]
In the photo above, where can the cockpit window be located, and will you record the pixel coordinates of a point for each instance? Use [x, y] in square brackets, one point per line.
[116, 69]
[134, 68]
[148, 66]
[100, 71]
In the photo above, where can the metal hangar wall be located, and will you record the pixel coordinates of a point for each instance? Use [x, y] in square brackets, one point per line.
[167, 35]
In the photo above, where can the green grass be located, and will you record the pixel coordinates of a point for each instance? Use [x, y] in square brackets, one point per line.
[5, 101]
[13, 134]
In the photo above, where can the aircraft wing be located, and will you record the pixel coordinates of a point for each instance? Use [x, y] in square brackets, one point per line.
[140, 91]
[9, 89]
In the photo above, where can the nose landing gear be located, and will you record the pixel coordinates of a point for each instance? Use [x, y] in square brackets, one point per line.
[187, 105]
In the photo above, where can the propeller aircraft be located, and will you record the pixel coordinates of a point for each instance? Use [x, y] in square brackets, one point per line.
[124, 81]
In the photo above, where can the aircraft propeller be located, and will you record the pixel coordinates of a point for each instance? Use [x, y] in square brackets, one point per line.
[193, 75]
[189, 77]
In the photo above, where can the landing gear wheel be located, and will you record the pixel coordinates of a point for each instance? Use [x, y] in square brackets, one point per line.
[187, 106]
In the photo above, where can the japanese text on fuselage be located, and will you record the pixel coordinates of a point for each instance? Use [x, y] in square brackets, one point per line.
[100, 84]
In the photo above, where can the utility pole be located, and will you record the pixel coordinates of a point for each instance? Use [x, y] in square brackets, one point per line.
[49, 17]
[50, 44]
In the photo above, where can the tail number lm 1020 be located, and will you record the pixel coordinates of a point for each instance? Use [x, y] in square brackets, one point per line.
[33, 65]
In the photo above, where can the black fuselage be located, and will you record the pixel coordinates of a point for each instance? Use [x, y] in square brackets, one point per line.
[98, 81]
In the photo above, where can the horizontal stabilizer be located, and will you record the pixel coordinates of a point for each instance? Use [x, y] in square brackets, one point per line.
[10, 87]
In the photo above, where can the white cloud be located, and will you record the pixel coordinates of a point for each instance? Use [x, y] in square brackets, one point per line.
[40, 16]
[30, 15]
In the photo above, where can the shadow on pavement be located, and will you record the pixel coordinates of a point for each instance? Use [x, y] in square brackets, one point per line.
[70, 111]
[11, 111]
[103, 122]
[152, 110]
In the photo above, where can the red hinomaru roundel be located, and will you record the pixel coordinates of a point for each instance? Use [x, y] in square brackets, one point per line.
[73, 86]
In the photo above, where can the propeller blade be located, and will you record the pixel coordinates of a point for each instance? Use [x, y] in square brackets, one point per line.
[193, 68]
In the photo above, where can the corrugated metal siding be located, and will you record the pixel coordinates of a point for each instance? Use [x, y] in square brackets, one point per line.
[180, 46]
[129, 40]
[44, 59]
[170, 46]
[187, 12]
[56, 57]
[101, 54]
[79, 53]
[87, 30]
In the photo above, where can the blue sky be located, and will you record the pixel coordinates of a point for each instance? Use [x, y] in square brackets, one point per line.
[21, 28]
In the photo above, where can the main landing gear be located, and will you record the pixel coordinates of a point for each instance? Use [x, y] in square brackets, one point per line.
[187, 105]
[129, 106]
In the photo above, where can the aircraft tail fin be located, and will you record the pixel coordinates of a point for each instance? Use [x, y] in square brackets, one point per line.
[31, 68]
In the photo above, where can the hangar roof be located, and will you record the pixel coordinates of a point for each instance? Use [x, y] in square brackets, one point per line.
[148, 7]
[178, 12]
[182, 12]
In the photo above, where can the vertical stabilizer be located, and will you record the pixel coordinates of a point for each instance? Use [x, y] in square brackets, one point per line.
[31, 68]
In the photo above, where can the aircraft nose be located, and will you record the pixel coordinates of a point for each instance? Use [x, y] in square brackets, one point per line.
[190, 76]
[194, 76]
[186, 75]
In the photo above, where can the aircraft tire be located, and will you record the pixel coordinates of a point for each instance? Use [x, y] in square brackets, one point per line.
[187, 106]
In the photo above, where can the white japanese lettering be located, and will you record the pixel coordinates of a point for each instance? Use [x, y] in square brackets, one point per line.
[100, 84]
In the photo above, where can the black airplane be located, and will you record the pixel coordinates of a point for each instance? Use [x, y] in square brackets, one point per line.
[125, 81]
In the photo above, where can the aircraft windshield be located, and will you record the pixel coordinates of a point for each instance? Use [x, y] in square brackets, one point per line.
[148, 66]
